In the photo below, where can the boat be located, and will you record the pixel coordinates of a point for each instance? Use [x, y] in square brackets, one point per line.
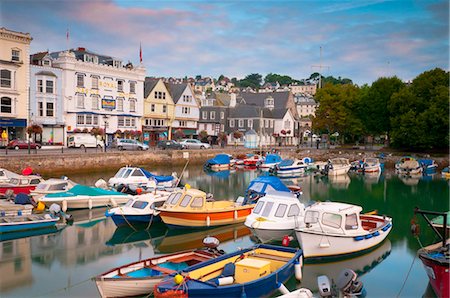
[52, 185]
[26, 222]
[370, 165]
[438, 222]
[219, 162]
[142, 178]
[332, 229]
[436, 257]
[261, 185]
[252, 160]
[140, 209]
[445, 173]
[290, 167]
[85, 197]
[6, 175]
[250, 272]
[139, 278]
[408, 165]
[275, 215]
[192, 208]
[270, 161]
[429, 166]
[8, 208]
[337, 166]
[21, 184]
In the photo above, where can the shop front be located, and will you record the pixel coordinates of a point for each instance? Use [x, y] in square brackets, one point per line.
[153, 134]
[11, 129]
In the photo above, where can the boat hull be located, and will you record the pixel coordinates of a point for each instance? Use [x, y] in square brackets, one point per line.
[220, 167]
[86, 202]
[126, 287]
[126, 220]
[21, 226]
[18, 189]
[316, 245]
[438, 272]
[339, 171]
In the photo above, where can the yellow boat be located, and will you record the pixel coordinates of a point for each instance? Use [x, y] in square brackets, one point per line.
[190, 208]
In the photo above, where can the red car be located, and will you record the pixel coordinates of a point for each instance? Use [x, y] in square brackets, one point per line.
[21, 144]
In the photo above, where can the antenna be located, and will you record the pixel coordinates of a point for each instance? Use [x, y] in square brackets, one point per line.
[320, 67]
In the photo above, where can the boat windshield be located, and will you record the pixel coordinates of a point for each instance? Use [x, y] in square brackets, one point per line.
[173, 198]
[258, 207]
[267, 209]
[120, 173]
[129, 203]
[41, 186]
[127, 173]
[311, 217]
[14, 181]
[140, 204]
[281, 210]
[138, 173]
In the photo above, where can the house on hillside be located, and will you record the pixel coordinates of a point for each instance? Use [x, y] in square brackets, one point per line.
[187, 111]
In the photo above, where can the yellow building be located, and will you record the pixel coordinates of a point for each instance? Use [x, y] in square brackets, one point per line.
[14, 84]
[159, 111]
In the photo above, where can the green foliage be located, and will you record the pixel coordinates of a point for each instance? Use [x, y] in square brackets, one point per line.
[281, 79]
[253, 80]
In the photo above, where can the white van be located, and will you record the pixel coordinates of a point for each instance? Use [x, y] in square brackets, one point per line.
[84, 140]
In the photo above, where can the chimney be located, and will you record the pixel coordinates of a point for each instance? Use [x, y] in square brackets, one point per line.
[232, 100]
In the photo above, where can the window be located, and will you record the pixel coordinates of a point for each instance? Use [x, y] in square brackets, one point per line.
[40, 86]
[281, 210]
[15, 55]
[95, 120]
[41, 109]
[186, 98]
[267, 123]
[258, 207]
[173, 198]
[80, 101]
[197, 202]
[241, 122]
[140, 204]
[152, 107]
[133, 87]
[250, 123]
[294, 210]
[137, 173]
[94, 82]
[267, 209]
[271, 123]
[120, 104]
[6, 105]
[164, 95]
[46, 62]
[132, 105]
[351, 222]
[311, 217]
[331, 220]
[80, 119]
[204, 115]
[120, 121]
[164, 109]
[49, 87]
[287, 124]
[232, 123]
[183, 123]
[80, 80]
[120, 86]
[95, 102]
[222, 115]
[185, 110]
[5, 78]
[50, 109]
[127, 121]
[212, 115]
[88, 120]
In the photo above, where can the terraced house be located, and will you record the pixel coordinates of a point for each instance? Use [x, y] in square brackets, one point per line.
[187, 111]
[159, 112]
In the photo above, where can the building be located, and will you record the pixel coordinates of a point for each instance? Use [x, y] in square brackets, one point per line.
[14, 84]
[158, 117]
[307, 87]
[306, 105]
[213, 115]
[99, 92]
[187, 111]
[46, 99]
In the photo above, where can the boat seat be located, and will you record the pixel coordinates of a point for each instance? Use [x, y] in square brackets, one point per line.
[161, 269]
[271, 257]
[228, 270]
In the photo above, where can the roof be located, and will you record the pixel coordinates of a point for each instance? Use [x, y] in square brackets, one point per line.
[176, 90]
[46, 73]
[335, 207]
[253, 111]
[278, 196]
[80, 52]
[149, 84]
[280, 98]
[195, 192]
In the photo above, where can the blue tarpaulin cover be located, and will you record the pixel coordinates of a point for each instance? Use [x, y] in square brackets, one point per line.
[219, 159]
[426, 162]
[157, 178]
[272, 158]
[286, 163]
[82, 190]
[263, 184]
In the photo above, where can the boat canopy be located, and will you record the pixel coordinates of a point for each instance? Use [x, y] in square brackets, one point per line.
[286, 163]
[219, 159]
[83, 190]
[265, 184]
[272, 158]
[307, 160]
[426, 162]
[156, 177]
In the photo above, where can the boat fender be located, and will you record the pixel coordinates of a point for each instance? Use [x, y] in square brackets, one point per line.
[178, 279]
[376, 234]
[359, 238]
[64, 205]
[368, 236]
[224, 281]
[282, 288]
[286, 240]
[235, 214]
[40, 206]
[298, 270]
[90, 204]
[113, 202]
[208, 221]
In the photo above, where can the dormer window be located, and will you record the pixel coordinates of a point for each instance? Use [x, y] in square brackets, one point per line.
[117, 63]
[269, 102]
[15, 55]
[46, 62]
[120, 86]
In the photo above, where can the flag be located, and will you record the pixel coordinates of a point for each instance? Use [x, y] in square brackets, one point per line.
[140, 52]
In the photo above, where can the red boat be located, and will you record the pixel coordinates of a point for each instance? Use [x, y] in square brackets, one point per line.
[436, 259]
[21, 184]
[252, 160]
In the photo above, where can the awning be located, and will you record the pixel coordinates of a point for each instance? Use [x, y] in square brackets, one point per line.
[185, 131]
[8, 122]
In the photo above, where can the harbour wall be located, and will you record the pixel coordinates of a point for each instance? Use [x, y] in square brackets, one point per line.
[80, 162]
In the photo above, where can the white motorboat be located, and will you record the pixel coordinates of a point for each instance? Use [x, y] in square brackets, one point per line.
[270, 161]
[220, 162]
[337, 166]
[408, 165]
[5, 175]
[370, 165]
[275, 215]
[85, 197]
[332, 229]
[140, 209]
[9, 208]
[52, 185]
[290, 167]
[140, 177]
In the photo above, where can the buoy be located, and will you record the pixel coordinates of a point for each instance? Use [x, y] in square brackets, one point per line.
[178, 279]
[286, 240]
[282, 288]
[298, 269]
[224, 281]
[208, 221]
[90, 204]
[64, 205]
[40, 206]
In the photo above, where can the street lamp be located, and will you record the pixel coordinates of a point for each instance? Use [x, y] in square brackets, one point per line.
[105, 119]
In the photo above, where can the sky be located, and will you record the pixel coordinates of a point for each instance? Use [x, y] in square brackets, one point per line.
[362, 40]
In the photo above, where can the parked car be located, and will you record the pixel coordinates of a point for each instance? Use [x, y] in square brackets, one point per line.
[128, 144]
[22, 144]
[170, 144]
[194, 144]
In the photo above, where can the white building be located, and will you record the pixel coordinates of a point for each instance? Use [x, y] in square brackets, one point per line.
[187, 111]
[309, 88]
[306, 105]
[98, 91]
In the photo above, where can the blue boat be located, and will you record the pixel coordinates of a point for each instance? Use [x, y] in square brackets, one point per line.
[270, 161]
[290, 167]
[219, 162]
[251, 272]
[429, 166]
[26, 222]
[261, 185]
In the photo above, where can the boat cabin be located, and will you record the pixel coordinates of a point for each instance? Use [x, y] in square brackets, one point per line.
[128, 175]
[32, 180]
[339, 218]
[5, 175]
[278, 205]
[339, 161]
[54, 185]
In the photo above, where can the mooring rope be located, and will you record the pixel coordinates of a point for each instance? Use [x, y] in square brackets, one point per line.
[407, 275]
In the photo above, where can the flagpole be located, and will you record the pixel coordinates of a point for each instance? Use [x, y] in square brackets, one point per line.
[140, 52]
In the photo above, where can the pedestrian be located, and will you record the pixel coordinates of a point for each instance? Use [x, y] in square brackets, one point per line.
[317, 143]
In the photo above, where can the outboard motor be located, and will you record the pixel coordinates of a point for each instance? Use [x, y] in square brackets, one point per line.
[349, 285]
[100, 183]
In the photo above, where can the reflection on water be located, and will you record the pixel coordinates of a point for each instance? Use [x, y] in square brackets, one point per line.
[54, 264]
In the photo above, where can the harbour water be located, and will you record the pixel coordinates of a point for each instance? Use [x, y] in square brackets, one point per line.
[62, 262]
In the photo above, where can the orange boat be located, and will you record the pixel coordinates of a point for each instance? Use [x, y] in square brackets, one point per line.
[190, 208]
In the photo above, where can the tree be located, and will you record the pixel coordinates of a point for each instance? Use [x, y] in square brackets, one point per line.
[281, 79]
[179, 134]
[253, 80]
[237, 134]
[203, 135]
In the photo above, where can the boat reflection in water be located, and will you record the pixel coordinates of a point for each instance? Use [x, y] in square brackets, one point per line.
[177, 239]
[88, 218]
[361, 265]
[217, 174]
[410, 180]
[138, 233]
[339, 181]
